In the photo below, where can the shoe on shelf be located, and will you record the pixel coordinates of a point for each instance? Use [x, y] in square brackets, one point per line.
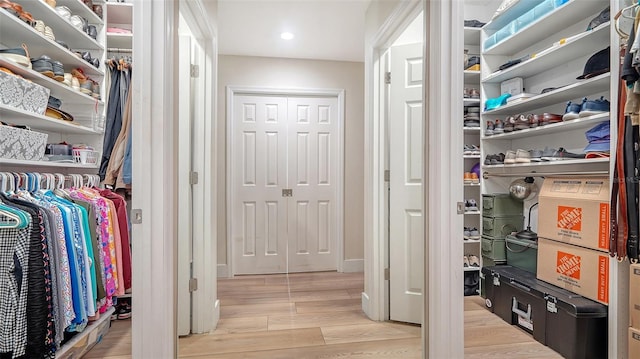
[594, 107]
[563, 154]
[547, 154]
[467, 178]
[536, 155]
[474, 233]
[474, 178]
[124, 311]
[499, 127]
[521, 122]
[534, 120]
[471, 205]
[498, 159]
[58, 70]
[489, 130]
[549, 118]
[510, 157]
[475, 150]
[467, 150]
[523, 156]
[465, 261]
[43, 65]
[466, 234]
[572, 111]
[489, 159]
[18, 55]
[509, 124]
[474, 261]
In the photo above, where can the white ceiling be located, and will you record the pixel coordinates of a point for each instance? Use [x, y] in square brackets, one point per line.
[323, 29]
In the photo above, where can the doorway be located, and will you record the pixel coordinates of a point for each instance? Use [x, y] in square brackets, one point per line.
[285, 176]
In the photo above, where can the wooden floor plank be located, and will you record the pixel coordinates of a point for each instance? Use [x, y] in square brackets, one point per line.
[364, 333]
[339, 305]
[387, 349]
[319, 315]
[240, 342]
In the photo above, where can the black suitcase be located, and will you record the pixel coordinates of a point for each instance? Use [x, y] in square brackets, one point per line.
[573, 326]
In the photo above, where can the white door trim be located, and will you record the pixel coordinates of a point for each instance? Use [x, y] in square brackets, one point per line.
[233, 91]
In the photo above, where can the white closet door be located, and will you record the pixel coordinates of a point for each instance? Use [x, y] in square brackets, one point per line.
[312, 176]
[406, 220]
[258, 210]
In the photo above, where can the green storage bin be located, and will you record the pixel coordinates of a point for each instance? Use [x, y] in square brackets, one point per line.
[493, 248]
[522, 253]
[500, 227]
[490, 262]
[500, 205]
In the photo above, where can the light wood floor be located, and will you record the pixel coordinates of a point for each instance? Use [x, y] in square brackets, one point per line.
[318, 315]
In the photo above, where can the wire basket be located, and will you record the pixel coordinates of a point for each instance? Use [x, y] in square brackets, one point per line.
[85, 156]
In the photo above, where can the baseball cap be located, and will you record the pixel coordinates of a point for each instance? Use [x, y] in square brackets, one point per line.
[598, 137]
[597, 64]
[602, 18]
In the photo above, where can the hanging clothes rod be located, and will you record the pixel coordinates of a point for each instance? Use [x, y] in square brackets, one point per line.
[122, 51]
[486, 175]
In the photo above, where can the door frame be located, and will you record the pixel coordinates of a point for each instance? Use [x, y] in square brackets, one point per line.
[233, 91]
[443, 318]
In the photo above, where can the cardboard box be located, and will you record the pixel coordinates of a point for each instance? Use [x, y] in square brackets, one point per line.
[575, 211]
[22, 94]
[580, 270]
[634, 296]
[634, 343]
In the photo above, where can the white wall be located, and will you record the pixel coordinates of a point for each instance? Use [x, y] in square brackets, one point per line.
[294, 73]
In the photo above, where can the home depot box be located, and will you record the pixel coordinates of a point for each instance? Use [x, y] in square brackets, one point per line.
[575, 211]
[580, 270]
[634, 296]
[634, 343]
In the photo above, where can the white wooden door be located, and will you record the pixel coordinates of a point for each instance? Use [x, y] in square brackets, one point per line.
[284, 143]
[406, 220]
[258, 176]
[312, 175]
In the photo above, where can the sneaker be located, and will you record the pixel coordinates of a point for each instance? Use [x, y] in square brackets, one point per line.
[471, 205]
[473, 261]
[563, 154]
[510, 157]
[489, 130]
[467, 178]
[509, 125]
[594, 107]
[475, 150]
[466, 234]
[468, 150]
[536, 155]
[474, 178]
[43, 65]
[547, 154]
[499, 127]
[572, 111]
[124, 311]
[498, 159]
[465, 261]
[489, 159]
[522, 156]
[474, 233]
[549, 118]
[521, 122]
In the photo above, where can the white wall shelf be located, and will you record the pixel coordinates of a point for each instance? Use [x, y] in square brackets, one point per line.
[472, 184]
[471, 76]
[546, 26]
[39, 45]
[471, 156]
[570, 125]
[62, 28]
[46, 164]
[470, 241]
[120, 41]
[79, 8]
[576, 90]
[585, 162]
[40, 122]
[589, 42]
[472, 36]
[471, 269]
[471, 129]
[471, 102]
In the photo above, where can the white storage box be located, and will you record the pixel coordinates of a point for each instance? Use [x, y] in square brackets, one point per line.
[21, 144]
[22, 94]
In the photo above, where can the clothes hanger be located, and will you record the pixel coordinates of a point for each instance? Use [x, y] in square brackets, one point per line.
[628, 13]
[12, 218]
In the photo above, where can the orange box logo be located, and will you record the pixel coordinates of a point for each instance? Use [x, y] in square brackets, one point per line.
[603, 227]
[570, 218]
[568, 264]
[603, 279]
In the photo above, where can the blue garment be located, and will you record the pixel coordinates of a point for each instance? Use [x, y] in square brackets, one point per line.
[126, 166]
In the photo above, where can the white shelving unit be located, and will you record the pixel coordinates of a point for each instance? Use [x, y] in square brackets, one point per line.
[472, 137]
[555, 47]
[86, 110]
[119, 15]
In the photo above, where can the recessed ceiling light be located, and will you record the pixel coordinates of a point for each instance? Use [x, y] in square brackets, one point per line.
[286, 36]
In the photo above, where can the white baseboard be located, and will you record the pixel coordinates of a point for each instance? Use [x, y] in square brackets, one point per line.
[223, 271]
[353, 265]
[365, 304]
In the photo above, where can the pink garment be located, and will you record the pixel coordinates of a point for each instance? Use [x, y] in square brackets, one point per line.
[117, 30]
[113, 219]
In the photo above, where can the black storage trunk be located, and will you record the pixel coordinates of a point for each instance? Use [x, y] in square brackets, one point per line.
[574, 326]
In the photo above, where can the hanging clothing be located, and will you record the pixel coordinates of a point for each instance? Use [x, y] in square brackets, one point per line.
[113, 120]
